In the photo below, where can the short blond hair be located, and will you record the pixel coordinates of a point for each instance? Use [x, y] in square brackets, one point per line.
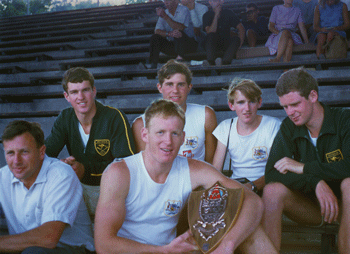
[164, 108]
[247, 87]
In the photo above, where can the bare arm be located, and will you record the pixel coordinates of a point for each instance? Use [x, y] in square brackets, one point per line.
[210, 140]
[46, 235]
[173, 24]
[219, 156]
[303, 32]
[241, 33]
[136, 131]
[346, 24]
[317, 27]
[259, 183]
[214, 25]
[110, 215]
[205, 175]
[272, 28]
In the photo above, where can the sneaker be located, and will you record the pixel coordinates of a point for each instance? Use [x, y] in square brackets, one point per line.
[218, 61]
[205, 63]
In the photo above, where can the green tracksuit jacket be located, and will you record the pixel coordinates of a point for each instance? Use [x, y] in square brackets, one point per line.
[110, 138]
[329, 160]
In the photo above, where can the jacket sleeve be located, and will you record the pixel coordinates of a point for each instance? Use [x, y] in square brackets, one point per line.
[57, 139]
[283, 146]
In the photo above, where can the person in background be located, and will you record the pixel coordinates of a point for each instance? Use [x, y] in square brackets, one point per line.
[331, 19]
[173, 34]
[256, 26]
[307, 8]
[283, 24]
[197, 11]
[218, 23]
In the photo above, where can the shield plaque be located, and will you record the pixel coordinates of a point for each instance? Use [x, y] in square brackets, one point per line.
[212, 213]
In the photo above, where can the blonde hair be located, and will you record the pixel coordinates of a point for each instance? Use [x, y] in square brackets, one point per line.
[247, 87]
[164, 108]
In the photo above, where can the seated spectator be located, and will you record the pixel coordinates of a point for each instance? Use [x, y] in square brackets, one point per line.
[307, 8]
[132, 214]
[256, 26]
[174, 34]
[249, 136]
[283, 24]
[347, 2]
[197, 11]
[218, 23]
[175, 84]
[331, 19]
[41, 197]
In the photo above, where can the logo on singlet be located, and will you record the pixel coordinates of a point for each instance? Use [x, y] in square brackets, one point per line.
[102, 146]
[172, 207]
[334, 156]
[260, 153]
[191, 142]
[187, 154]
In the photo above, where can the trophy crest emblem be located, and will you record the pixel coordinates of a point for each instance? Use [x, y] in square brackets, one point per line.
[212, 213]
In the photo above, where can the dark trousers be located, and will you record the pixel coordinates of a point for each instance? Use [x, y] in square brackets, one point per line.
[215, 44]
[177, 47]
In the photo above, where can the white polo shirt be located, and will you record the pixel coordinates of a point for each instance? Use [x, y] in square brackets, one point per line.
[56, 195]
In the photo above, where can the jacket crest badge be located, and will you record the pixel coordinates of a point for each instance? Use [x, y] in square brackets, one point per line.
[334, 156]
[102, 146]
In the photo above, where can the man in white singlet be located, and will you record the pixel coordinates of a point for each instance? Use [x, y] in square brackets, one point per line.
[175, 84]
[142, 195]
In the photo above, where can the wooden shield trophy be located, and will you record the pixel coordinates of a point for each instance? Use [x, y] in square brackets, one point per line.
[212, 213]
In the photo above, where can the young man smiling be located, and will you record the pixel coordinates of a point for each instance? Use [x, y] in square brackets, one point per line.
[94, 134]
[308, 171]
[132, 214]
[175, 84]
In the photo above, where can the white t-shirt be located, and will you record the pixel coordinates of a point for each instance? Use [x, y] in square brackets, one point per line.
[56, 195]
[248, 153]
[182, 15]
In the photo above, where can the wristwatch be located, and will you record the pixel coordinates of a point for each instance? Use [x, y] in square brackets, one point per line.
[254, 188]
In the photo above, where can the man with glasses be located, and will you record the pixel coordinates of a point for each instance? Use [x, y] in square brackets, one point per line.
[256, 26]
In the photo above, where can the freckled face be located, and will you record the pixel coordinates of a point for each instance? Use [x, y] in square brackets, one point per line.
[163, 138]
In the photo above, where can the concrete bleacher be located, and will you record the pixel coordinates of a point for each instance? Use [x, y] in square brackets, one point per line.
[111, 42]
